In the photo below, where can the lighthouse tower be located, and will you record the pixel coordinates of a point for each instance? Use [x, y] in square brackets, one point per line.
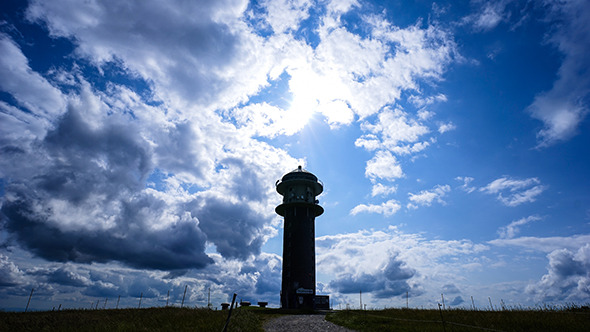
[299, 208]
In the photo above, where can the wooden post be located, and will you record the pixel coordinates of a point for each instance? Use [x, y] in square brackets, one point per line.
[105, 304]
[472, 303]
[361, 298]
[183, 295]
[119, 298]
[443, 301]
[29, 301]
[441, 318]
[229, 313]
[407, 300]
[167, 297]
[140, 297]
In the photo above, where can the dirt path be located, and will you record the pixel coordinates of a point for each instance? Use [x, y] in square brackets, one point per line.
[302, 323]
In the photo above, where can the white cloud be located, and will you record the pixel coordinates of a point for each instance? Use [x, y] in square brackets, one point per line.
[425, 114]
[29, 88]
[380, 189]
[387, 209]
[365, 259]
[200, 53]
[567, 278]
[545, 244]
[444, 127]
[420, 101]
[488, 16]
[426, 197]
[466, 181]
[393, 127]
[383, 166]
[509, 231]
[518, 191]
[565, 105]
[285, 15]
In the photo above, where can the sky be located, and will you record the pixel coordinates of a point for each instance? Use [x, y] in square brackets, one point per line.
[140, 143]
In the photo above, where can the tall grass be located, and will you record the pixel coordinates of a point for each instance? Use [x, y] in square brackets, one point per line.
[150, 319]
[540, 319]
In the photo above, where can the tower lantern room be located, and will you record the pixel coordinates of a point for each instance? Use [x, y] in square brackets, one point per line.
[299, 189]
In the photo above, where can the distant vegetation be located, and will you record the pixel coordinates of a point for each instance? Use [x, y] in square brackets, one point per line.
[571, 318]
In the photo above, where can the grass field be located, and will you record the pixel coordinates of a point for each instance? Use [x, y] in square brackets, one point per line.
[150, 319]
[252, 319]
[568, 319]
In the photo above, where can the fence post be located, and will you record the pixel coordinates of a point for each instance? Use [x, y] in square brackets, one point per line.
[229, 314]
[119, 298]
[29, 301]
[167, 297]
[183, 295]
[140, 297]
[441, 317]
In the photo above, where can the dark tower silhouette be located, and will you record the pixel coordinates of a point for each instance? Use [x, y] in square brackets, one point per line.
[300, 207]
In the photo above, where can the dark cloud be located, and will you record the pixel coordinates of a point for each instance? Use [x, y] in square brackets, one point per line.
[67, 277]
[86, 204]
[234, 228]
[391, 281]
[450, 289]
[457, 300]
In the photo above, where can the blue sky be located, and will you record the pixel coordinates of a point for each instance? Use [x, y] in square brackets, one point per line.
[140, 143]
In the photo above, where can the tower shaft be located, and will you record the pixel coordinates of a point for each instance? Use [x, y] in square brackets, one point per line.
[300, 207]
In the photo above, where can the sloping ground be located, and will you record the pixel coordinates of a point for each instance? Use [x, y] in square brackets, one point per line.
[419, 320]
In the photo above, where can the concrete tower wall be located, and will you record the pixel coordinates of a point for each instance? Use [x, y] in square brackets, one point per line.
[300, 207]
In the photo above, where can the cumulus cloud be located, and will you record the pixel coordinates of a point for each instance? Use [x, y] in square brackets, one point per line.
[386, 282]
[518, 191]
[445, 127]
[383, 166]
[186, 49]
[567, 278]
[392, 127]
[388, 208]
[388, 262]
[380, 189]
[10, 274]
[426, 197]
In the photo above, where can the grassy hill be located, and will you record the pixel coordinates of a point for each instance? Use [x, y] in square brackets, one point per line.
[566, 319]
[251, 319]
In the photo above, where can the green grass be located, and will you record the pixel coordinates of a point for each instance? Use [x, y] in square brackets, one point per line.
[570, 319]
[150, 319]
[251, 319]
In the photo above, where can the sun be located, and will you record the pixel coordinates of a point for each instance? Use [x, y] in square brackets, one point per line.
[311, 93]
